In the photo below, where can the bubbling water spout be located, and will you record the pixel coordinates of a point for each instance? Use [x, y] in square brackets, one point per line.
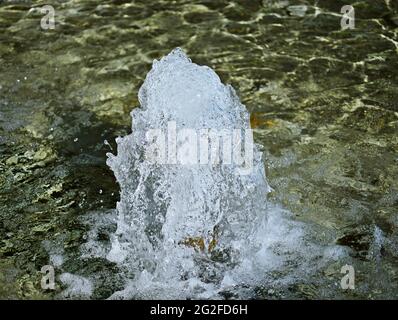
[188, 229]
[171, 213]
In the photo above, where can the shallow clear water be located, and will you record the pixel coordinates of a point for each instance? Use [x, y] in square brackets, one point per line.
[323, 104]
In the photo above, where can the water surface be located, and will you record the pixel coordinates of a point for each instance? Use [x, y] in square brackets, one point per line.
[323, 103]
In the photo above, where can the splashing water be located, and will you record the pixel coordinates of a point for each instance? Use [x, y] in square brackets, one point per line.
[168, 211]
[194, 230]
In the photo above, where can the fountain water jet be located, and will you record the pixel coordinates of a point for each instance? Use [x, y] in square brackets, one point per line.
[165, 206]
[195, 230]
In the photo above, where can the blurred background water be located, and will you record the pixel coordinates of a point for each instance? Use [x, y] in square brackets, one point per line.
[323, 103]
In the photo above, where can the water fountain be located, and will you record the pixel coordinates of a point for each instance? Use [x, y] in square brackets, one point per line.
[197, 229]
[169, 212]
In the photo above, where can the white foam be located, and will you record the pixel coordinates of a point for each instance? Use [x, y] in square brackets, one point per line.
[77, 286]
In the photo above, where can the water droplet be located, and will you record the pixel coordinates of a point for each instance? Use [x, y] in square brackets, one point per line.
[107, 144]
